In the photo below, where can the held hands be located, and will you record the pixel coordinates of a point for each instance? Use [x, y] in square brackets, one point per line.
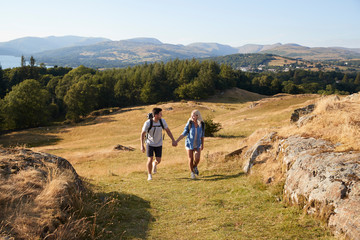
[174, 143]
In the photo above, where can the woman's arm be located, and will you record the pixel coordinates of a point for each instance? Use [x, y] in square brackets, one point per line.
[179, 138]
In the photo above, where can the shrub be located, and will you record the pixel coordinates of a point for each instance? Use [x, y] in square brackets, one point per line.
[211, 127]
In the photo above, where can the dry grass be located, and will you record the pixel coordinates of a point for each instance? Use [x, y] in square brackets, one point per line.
[337, 120]
[38, 202]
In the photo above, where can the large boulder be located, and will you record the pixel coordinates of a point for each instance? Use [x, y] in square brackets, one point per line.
[325, 183]
[38, 192]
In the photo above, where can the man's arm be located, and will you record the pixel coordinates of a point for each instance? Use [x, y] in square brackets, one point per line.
[202, 143]
[142, 136]
[171, 136]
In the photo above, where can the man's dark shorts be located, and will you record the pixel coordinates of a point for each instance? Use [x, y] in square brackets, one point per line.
[150, 151]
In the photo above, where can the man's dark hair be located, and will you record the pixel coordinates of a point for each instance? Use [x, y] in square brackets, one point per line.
[156, 111]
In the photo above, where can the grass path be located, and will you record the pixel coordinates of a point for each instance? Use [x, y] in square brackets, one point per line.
[222, 203]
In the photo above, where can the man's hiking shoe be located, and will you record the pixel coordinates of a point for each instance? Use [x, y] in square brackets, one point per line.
[154, 170]
[149, 177]
[196, 171]
[193, 175]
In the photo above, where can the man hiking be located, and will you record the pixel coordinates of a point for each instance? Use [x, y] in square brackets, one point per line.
[152, 129]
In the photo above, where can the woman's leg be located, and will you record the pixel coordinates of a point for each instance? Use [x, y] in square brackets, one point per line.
[190, 154]
[197, 157]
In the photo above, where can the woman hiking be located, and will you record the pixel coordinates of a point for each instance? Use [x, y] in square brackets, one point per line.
[194, 132]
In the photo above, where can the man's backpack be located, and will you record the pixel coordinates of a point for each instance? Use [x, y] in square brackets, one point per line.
[150, 116]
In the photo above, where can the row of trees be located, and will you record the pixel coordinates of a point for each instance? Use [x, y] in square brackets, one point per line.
[33, 96]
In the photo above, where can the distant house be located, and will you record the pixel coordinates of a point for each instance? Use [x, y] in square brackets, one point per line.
[245, 69]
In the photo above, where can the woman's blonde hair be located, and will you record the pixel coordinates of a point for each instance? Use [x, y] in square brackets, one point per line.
[199, 117]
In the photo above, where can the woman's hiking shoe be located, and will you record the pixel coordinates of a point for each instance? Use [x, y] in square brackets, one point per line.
[196, 171]
[193, 175]
[154, 170]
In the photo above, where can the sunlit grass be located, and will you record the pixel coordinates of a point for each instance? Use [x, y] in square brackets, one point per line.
[222, 204]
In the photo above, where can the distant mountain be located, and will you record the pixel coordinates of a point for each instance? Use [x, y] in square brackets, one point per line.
[30, 45]
[256, 48]
[145, 40]
[350, 49]
[128, 52]
[103, 53]
[139, 50]
[215, 49]
[316, 53]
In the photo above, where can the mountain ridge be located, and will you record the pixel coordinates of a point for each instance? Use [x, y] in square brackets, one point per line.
[104, 53]
[31, 45]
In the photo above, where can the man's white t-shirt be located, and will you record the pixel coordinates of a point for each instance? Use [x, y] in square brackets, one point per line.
[154, 138]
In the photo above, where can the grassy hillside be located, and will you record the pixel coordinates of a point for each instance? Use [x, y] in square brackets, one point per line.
[222, 203]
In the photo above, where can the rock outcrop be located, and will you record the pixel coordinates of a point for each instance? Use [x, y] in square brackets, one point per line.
[320, 176]
[295, 116]
[261, 146]
[325, 183]
[38, 192]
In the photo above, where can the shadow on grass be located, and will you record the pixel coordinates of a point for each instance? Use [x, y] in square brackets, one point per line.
[94, 119]
[28, 139]
[217, 177]
[230, 136]
[119, 215]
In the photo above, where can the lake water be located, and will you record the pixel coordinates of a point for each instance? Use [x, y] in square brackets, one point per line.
[9, 61]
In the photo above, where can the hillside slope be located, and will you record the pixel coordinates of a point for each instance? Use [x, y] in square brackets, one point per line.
[317, 158]
[222, 204]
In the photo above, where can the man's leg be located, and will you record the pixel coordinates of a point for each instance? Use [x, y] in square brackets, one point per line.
[149, 164]
[155, 163]
[158, 154]
[150, 155]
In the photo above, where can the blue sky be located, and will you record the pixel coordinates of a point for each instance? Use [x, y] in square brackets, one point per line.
[313, 23]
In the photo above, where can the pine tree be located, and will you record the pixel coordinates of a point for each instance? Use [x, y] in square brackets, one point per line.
[357, 79]
[23, 62]
[32, 61]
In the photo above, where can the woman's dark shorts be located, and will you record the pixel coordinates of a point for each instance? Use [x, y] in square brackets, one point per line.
[150, 151]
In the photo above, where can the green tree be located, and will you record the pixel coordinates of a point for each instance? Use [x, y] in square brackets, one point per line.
[290, 87]
[345, 79]
[26, 105]
[71, 78]
[226, 78]
[3, 83]
[23, 61]
[32, 61]
[357, 79]
[81, 99]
